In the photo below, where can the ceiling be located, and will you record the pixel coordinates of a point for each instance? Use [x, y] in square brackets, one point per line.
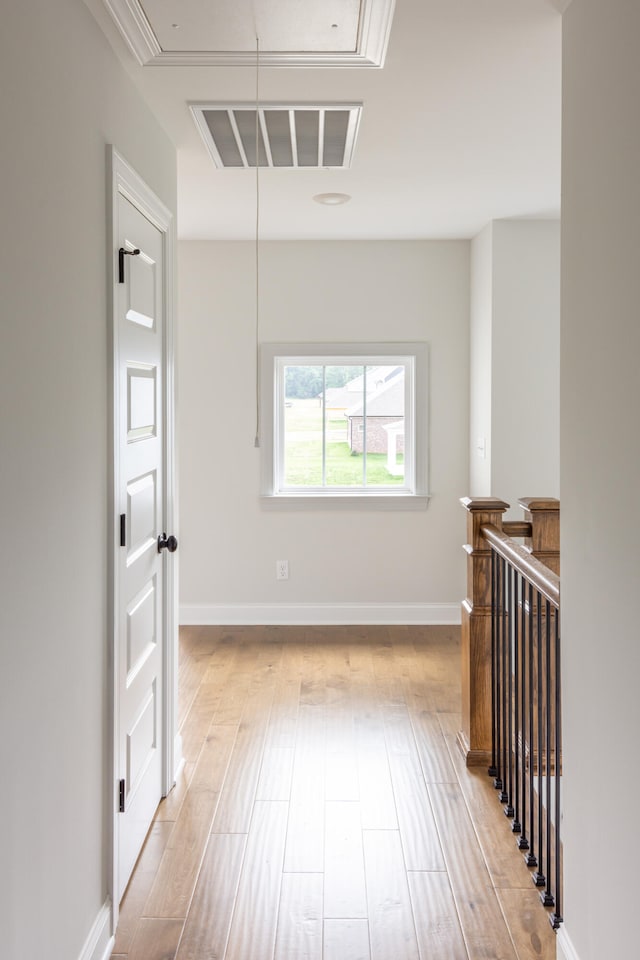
[460, 126]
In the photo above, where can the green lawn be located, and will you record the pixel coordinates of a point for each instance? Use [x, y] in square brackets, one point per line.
[304, 415]
[303, 466]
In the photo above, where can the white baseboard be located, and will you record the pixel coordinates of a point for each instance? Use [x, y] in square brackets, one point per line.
[309, 614]
[565, 950]
[99, 943]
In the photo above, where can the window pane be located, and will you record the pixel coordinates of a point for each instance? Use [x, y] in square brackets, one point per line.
[376, 426]
[381, 425]
[302, 426]
[343, 425]
[344, 390]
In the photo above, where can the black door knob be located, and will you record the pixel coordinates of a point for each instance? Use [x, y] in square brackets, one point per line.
[167, 543]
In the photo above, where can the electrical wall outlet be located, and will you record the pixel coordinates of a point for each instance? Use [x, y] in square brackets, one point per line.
[282, 569]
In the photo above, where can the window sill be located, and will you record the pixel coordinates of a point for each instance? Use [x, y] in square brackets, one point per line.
[340, 501]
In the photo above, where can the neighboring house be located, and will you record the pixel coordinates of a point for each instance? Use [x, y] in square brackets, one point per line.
[384, 407]
[340, 399]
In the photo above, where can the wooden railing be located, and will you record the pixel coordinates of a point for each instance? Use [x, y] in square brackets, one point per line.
[511, 695]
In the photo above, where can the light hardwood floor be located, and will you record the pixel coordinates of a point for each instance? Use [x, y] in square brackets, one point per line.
[324, 812]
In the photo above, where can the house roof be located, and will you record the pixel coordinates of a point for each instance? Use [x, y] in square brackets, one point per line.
[343, 397]
[388, 401]
[339, 397]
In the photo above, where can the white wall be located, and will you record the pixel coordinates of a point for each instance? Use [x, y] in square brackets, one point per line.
[600, 466]
[480, 363]
[314, 291]
[63, 97]
[525, 380]
[515, 360]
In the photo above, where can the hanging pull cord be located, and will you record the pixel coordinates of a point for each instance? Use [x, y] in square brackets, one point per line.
[256, 441]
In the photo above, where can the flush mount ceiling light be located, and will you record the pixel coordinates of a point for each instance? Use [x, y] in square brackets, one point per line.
[289, 136]
[332, 199]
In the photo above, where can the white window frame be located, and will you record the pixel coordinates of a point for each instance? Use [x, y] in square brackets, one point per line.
[274, 357]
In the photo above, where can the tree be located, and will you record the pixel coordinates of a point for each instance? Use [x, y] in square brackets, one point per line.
[304, 381]
[301, 383]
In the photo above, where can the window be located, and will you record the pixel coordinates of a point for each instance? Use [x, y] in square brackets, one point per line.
[344, 421]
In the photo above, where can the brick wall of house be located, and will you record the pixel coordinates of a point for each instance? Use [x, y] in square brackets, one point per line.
[377, 438]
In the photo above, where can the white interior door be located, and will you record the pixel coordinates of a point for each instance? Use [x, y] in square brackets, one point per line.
[139, 500]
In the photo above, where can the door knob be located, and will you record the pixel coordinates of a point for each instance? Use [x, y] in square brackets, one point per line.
[167, 543]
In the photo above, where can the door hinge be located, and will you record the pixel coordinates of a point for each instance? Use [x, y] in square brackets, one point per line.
[122, 253]
[122, 796]
[123, 529]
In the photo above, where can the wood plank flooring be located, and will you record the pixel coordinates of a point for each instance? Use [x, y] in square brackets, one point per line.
[323, 811]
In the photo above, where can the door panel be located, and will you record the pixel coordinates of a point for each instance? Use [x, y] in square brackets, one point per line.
[141, 402]
[142, 516]
[142, 307]
[140, 451]
[142, 634]
[141, 740]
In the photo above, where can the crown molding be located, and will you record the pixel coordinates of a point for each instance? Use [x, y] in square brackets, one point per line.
[373, 39]
[132, 23]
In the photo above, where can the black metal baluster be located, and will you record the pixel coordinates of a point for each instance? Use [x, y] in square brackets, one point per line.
[498, 627]
[556, 916]
[547, 896]
[510, 642]
[493, 769]
[530, 858]
[504, 796]
[516, 826]
[539, 878]
[525, 670]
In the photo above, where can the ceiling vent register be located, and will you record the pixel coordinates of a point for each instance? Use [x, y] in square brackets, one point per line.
[290, 136]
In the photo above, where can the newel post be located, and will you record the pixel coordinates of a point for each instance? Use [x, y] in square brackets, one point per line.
[544, 516]
[475, 737]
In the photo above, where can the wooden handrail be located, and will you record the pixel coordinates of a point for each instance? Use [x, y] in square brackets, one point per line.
[542, 578]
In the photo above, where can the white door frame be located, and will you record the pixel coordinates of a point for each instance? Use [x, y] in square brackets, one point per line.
[125, 182]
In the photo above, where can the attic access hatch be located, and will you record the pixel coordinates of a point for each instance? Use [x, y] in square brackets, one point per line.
[290, 136]
[293, 33]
